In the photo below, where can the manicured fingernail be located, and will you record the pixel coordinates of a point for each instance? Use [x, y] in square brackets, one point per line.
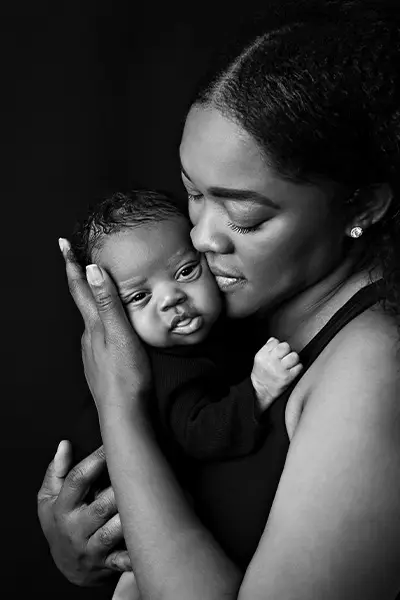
[94, 275]
[64, 245]
[59, 448]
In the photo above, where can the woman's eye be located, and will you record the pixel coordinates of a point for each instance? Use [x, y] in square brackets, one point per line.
[190, 271]
[194, 197]
[243, 230]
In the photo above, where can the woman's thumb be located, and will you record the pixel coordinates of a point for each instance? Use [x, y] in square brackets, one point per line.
[63, 459]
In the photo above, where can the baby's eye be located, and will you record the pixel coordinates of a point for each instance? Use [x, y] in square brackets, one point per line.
[190, 271]
[138, 297]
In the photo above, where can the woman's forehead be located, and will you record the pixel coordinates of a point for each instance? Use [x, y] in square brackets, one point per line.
[218, 151]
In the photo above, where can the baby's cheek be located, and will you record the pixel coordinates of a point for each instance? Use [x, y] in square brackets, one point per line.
[131, 317]
[211, 297]
[149, 330]
[139, 323]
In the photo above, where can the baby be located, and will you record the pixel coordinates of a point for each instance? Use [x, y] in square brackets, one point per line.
[205, 404]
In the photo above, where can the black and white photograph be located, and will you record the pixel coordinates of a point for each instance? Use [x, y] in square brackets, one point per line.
[201, 264]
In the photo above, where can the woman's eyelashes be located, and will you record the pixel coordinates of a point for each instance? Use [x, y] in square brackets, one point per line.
[243, 230]
[237, 228]
[194, 197]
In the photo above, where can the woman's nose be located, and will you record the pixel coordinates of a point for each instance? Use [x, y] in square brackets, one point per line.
[170, 298]
[207, 236]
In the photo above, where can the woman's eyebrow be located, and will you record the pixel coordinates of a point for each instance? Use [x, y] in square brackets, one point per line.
[236, 194]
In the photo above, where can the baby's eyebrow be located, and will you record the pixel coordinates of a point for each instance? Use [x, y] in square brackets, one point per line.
[184, 253]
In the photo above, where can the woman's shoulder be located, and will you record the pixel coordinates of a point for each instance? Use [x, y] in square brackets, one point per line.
[342, 469]
[371, 330]
[362, 362]
[372, 336]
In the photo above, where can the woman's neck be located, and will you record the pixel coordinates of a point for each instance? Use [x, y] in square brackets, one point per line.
[299, 319]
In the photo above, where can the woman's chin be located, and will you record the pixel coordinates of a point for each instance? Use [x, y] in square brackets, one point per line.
[242, 305]
[236, 308]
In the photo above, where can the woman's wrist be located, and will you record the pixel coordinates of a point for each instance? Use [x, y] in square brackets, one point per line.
[133, 405]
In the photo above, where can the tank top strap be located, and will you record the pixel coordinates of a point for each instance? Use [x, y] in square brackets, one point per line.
[366, 297]
[360, 301]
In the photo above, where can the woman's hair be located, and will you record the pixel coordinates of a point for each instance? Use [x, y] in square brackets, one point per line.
[319, 90]
[119, 212]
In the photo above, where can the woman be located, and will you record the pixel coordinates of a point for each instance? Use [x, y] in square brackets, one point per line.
[291, 160]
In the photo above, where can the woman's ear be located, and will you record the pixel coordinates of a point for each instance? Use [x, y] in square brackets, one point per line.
[373, 203]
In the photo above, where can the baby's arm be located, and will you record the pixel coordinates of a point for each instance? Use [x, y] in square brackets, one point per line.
[275, 367]
[208, 417]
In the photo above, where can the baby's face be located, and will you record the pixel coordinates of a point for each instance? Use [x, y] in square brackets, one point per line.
[169, 294]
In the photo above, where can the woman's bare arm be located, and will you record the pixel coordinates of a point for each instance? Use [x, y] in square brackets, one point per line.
[173, 555]
[334, 528]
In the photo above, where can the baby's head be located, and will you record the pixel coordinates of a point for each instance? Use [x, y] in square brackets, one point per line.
[142, 240]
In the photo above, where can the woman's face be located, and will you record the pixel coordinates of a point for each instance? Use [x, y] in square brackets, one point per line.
[265, 238]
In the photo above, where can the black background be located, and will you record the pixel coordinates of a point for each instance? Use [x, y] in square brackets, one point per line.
[93, 98]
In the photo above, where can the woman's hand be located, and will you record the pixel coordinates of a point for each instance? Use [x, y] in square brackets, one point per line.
[160, 530]
[81, 536]
[116, 366]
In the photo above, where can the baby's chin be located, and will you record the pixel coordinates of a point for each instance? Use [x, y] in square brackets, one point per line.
[189, 340]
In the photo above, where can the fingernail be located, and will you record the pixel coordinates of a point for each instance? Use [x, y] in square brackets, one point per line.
[64, 245]
[58, 449]
[56, 457]
[94, 275]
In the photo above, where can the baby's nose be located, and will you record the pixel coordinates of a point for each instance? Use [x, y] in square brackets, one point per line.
[171, 299]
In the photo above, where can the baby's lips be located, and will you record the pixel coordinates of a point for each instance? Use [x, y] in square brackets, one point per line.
[178, 318]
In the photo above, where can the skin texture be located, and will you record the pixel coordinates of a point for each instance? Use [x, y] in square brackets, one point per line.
[159, 275]
[333, 530]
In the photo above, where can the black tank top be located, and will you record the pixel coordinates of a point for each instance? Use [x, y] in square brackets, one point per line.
[234, 497]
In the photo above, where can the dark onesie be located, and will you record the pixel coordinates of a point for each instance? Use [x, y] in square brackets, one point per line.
[204, 402]
[234, 497]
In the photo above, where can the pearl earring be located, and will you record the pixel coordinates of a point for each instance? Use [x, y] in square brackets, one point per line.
[356, 232]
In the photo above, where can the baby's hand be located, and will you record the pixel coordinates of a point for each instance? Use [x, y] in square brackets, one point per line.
[275, 367]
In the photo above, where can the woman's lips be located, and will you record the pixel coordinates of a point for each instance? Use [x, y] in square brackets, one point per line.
[226, 281]
[221, 273]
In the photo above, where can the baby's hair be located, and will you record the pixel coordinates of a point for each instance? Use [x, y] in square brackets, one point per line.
[119, 212]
